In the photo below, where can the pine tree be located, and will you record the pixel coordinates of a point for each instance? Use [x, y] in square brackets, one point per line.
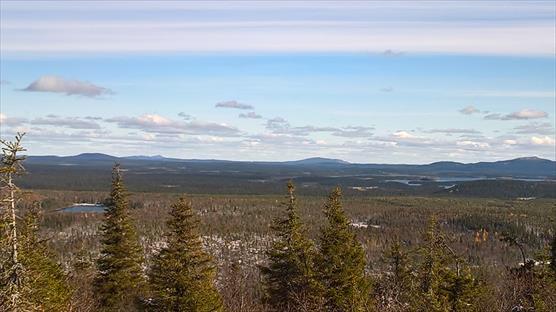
[341, 261]
[119, 282]
[289, 277]
[182, 276]
[48, 288]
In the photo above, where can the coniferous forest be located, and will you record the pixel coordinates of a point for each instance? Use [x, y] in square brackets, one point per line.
[277, 156]
[153, 252]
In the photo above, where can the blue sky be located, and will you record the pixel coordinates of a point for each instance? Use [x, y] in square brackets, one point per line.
[396, 82]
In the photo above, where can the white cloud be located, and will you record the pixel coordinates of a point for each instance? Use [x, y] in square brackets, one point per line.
[510, 142]
[403, 135]
[354, 132]
[468, 110]
[543, 140]
[69, 87]
[473, 144]
[233, 104]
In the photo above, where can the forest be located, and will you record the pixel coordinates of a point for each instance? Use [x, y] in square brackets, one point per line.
[167, 251]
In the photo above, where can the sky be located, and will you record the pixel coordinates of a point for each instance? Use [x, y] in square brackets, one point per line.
[362, 81]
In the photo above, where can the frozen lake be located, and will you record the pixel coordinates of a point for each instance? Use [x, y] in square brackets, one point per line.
[84, 208]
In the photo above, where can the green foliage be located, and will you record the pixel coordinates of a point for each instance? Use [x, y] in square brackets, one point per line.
[430, 271]
[182, 276]
[341, 261]
[393, 290]
[399, 264]
[553, 254]
[462, 290]
[30, 278]
[446, 284]
[48, 288]
[289, 277]
[120, 282]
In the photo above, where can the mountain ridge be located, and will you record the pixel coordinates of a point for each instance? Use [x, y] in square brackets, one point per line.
[309, 160]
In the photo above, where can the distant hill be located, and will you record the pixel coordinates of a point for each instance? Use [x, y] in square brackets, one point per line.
[317, 161]
[91, 157]
[522, 177]
[527, 167]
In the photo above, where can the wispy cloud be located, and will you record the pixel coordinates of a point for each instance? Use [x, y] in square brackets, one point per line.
[519, 115]
[69, 122]
[159, 124]
[11, 121]
[469, 110]
[535, 128]
[69, 87]
[185, 116]
[233, 104]
[339, 26]
[250, 115]
[454, 131]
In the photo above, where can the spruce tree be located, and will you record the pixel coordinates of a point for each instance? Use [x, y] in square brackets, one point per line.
[394, 288]
[462, 290]
[289, 277]
[119, 282]
[48, 288]
[430, 271]
[447, 283]
[182, 275]
[341, 261]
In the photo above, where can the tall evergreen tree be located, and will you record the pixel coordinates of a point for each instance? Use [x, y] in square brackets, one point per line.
[289, 277]
[182, 276]
[430, 271]
[48, 288]
[394, 288]
[447, 284]
[341, 261]
[119, 282]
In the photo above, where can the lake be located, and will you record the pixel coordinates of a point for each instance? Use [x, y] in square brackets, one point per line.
[84, 208]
